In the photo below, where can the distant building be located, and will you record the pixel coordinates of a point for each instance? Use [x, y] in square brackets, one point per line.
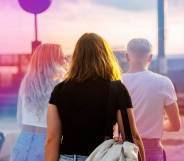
[12, 69]
[14, 66]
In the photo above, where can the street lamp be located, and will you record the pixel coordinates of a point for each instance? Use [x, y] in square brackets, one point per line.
[35, 7]
[162, 61]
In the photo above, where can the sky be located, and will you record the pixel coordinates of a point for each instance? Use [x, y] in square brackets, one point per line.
[118, 21]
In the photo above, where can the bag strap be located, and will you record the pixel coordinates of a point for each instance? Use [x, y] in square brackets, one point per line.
[113, 91]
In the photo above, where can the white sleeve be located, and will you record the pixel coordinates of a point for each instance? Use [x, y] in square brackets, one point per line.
[169, 93]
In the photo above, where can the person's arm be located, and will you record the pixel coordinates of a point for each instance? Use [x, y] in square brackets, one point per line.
[170, 107]
[118, 129]
[172, 123]
[124, 101]
[54, 134]
[135, 133]
[117, 133]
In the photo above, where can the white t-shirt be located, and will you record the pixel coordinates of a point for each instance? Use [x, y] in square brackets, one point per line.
[150, 93]
[26, 115]
[30, 112]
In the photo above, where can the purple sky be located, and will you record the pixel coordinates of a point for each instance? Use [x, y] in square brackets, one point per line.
[117, 21]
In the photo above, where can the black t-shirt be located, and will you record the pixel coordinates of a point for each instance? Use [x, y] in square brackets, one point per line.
[82, 108]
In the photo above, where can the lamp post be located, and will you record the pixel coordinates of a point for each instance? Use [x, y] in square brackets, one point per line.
[161, 13]
[35, 7]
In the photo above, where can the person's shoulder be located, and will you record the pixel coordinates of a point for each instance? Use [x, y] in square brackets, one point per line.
[124, 77]
[59, 85]
[157, 75]
[160, 78]
[119, 84]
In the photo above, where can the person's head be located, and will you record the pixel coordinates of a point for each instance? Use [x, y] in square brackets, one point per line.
[45, 65]
[93, 58]
[139, 52]
[46, 61]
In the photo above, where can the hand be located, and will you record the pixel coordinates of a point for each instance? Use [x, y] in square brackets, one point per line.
[117, 136]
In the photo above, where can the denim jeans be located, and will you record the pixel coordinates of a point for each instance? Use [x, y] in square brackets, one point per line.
[29, 147]
[73, 158]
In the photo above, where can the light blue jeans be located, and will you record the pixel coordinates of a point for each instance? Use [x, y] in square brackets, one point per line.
[73, 158]
[29, 147]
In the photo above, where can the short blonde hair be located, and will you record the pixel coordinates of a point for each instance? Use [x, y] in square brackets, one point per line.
[139, 46]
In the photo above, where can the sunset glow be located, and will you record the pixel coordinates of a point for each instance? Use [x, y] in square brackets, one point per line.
[65, 21]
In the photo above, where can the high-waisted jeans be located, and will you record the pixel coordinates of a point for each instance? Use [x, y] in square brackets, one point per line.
[73, 158]
[154, 150]
[29, 147]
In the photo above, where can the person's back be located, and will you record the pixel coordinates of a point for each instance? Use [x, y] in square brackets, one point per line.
[83, 107]
[150, 93]
[79, 112]
[44, 72]
[153, 95]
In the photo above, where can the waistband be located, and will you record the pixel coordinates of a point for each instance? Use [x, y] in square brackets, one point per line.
[34, 129]
[151, 142]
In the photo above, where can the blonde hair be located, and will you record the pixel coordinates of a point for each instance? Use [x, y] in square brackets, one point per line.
[139, 46]
[46, 62]
[93, 58]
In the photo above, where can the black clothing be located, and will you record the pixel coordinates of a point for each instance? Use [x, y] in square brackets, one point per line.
[82, 108]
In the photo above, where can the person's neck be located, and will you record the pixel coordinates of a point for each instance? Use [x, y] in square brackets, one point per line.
[136, 68]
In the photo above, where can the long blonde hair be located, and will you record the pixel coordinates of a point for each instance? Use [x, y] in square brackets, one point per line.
[92, 58]
[46, 62]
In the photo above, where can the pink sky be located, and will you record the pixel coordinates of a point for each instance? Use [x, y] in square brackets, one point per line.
[66, 20]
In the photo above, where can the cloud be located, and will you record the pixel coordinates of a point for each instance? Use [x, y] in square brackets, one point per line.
[134, 5]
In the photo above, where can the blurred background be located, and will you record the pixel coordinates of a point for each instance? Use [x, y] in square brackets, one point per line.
[23, 27]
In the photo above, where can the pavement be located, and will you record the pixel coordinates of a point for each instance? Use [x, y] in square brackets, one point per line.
[173, 143]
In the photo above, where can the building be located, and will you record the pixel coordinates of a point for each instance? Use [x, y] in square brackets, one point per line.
[13, 67]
